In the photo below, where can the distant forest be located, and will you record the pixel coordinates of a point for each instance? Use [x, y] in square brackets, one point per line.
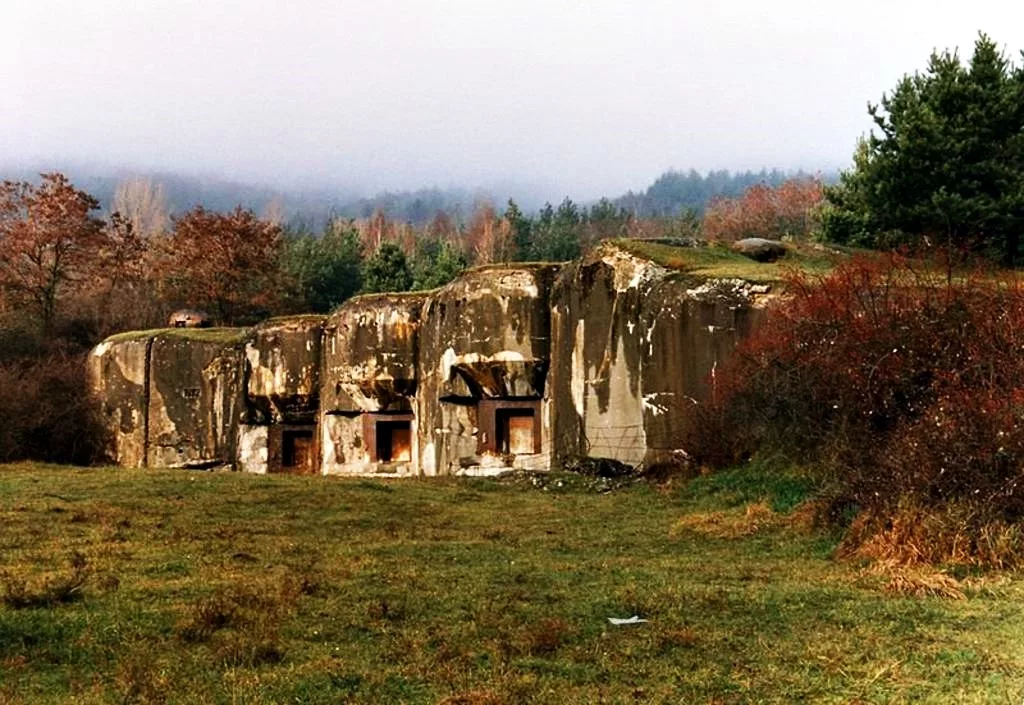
[671, 194]
[674, 192]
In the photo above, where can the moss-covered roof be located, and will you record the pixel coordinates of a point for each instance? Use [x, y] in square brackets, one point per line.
[528, 266]
[719, 262]
[371, 299]
[294, 318]
[226, 336]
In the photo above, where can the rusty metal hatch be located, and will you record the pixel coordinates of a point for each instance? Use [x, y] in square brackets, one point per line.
[514, 430]
[388, 437]
[297, 451]
[509, 426]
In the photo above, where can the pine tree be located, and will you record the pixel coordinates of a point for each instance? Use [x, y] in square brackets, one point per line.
[387, 270]
[946, 165]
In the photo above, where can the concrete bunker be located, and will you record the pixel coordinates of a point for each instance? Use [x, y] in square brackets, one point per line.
[523, 366]
[278, 431]
[484, 356]
[170, 398]
[368, 413]
[638, 346]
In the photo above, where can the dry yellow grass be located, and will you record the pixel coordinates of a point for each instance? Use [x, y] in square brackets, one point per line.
[913, 535]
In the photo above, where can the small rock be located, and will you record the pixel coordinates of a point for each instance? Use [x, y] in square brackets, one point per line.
[759, 249]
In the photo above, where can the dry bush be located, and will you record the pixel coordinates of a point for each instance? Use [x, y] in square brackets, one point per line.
[958, 534]
[387, 610]
[919, 581]
[546, 636]
[140, 679]
[903, 384]
[241, 624]
[756, 517]
[916, 580]
[681, 638]
[249, 649]
[208, 616]
[47, 412]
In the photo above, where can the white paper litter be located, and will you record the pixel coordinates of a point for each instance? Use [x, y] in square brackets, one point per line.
[619, 621]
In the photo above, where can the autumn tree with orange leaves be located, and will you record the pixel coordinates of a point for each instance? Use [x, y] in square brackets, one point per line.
[790, 210]
[226, 263]
[49, 240]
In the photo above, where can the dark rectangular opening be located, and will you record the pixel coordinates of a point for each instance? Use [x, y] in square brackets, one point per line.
[509, 426]
[394, 441]
[514, 431]
[297, 449]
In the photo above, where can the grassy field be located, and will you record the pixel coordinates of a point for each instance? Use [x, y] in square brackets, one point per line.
[126, 586]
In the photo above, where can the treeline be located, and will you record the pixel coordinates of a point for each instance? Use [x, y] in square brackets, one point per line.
[677, 191]
[308, 209]
[62, 261]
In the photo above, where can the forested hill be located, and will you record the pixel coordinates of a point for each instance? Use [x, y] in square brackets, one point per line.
[669, 195]
[675, 191]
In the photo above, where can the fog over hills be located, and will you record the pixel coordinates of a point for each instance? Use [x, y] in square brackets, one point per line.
[329, 102]
[309, 208]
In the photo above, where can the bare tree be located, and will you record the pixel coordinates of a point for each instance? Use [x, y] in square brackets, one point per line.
[143, 203]
[274, 212]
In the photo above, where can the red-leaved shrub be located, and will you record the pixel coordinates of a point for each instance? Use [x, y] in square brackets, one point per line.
[902, 384]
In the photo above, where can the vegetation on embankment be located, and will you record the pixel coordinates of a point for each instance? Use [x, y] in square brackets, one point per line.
[717, 261]
[170, 586]
[899, 383]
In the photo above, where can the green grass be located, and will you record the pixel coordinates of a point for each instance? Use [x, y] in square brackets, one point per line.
[293, 318]
[226, 336]
[718, 261]
[226, 588]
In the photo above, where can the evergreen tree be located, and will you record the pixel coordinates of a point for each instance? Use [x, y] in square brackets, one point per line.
[437, 263]
[387, 270]
[325, 271]
[947, 163]
[522, 232]
[557, 233]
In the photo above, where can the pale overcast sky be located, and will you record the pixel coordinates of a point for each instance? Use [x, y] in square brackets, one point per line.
[585, 98]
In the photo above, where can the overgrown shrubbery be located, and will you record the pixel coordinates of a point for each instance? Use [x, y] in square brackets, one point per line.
[46, 412]
[903, 386]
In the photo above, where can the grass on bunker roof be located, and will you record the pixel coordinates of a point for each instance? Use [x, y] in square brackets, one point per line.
[168, 586]
[225, 336]
[718, 261]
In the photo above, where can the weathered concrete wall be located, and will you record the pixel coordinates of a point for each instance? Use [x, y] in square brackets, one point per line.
[369, 360]
[253, 448]
[118, 370]
[196, 398]
[599, 332]
[636, 347]
[283, 370]
[484, 336]
[369, 367]
[691, 328]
